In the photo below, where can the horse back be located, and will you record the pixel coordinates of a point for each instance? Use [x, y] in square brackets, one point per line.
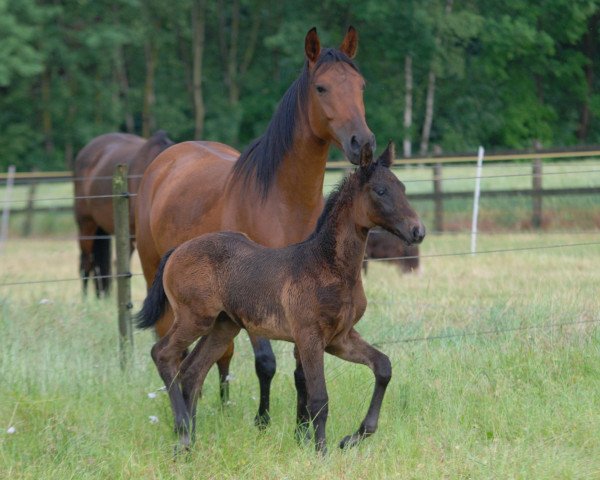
[180, 197]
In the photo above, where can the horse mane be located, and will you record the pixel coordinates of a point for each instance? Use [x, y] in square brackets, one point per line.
[261, 159]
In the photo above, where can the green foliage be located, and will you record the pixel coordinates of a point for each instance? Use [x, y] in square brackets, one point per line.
[507, 73]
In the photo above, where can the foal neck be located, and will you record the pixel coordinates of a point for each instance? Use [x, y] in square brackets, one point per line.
[340, 240]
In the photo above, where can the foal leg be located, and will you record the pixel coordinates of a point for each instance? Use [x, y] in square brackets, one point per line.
[354, 349]
[166, 354]
[312, 359]
[223, 365]
[196, 365]
[264, 362]
[302, 432]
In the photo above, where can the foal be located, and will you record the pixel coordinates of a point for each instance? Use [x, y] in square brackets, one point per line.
[309, 293]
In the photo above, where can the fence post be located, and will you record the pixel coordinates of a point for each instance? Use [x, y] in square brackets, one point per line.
[536, 193]
[480, 154]
[29, 210]
[10, 180]
[438, 199]
[121, 219]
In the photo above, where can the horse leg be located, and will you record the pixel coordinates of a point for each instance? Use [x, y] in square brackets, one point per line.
[311, 355]
[166, 354]
[223, 365]
[265, 365]
[302, 432]
[87, 229]
[102, 260]
[197, 364]
[354, 349]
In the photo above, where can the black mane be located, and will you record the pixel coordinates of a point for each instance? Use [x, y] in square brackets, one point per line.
[260, 160]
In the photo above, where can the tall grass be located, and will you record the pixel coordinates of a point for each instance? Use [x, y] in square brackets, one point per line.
[521, 404]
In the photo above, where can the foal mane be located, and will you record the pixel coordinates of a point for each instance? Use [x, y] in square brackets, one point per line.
[261, 159]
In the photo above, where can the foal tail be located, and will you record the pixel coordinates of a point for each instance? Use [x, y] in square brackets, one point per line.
[156, 301]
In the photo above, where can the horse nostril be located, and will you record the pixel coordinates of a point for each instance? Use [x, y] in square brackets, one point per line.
[418, 233]
[354, 143]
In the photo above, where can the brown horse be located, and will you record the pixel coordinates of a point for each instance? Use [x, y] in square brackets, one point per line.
[272, 191]
[382, 244]
[94, 167]
[309, 293]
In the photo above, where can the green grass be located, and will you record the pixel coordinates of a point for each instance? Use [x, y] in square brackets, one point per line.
[522, 404]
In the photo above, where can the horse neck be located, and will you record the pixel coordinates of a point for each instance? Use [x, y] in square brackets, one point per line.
[299, 178]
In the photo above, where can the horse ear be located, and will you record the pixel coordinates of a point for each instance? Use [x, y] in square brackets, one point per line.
[366, 155]
[350, 43]
[312, 46]
[387, 157]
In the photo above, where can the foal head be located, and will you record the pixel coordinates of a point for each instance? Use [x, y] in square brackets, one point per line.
[382, 200]
[336, 111]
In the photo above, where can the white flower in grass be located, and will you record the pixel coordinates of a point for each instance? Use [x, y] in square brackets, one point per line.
[229, 377]
[152, 395]
[46, 301]
[153, 419]
[11, 430]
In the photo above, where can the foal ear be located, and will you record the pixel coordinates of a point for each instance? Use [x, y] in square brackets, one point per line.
[366, 155]
[387, 157]
[350, 43]
[312, 46]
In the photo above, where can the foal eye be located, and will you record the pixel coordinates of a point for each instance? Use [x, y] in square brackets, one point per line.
[380, 191]
[321, 89]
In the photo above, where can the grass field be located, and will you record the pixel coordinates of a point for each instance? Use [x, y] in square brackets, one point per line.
[520, 404]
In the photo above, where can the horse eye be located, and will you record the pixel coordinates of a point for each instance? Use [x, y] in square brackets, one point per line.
[321, 89]
[380, 191]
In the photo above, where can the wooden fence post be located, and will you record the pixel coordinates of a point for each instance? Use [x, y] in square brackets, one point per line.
[121, 218]
[10, 179]
[536, 195]
[438, 198]
[29, 210]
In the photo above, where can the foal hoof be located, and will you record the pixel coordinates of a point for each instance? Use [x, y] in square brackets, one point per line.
[350, 441]
[262, 421]
[303, 434]
[180, 450]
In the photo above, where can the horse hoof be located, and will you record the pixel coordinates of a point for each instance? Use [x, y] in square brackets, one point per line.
[303, 435]
[180, 450]
[350, 441]
[262, 421]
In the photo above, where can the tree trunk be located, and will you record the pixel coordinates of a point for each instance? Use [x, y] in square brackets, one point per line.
[590, 51]
[408, 101]
[198, 25]
[47, 115]
[426, 132]
[148, 119]
[431, 80]
[123, 82]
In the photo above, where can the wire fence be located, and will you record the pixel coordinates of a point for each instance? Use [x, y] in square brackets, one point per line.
[431, 255]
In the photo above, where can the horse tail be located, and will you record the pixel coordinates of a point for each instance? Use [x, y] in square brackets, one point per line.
[156, 300]
[102, 261]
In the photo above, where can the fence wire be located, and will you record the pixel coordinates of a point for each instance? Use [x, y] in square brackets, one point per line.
[432, 255]
[428, 180]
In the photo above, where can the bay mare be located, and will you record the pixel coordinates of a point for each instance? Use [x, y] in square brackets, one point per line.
[272, 191]
[93, 171]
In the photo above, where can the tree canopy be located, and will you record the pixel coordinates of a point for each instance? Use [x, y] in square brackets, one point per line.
[502, 74]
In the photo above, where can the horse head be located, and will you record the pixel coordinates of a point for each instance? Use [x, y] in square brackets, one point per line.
[336, 111]
[383, 199]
